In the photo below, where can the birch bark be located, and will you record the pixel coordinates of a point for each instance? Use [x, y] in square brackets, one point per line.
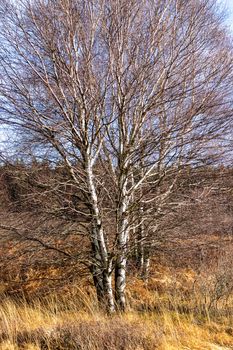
[101, 265]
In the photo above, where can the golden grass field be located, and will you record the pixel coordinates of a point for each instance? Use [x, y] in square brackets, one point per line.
[166, 314]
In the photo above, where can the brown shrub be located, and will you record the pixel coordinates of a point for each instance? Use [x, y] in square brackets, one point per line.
[114, 334]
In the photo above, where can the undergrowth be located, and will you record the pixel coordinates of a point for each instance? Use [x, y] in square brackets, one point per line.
[165, 314]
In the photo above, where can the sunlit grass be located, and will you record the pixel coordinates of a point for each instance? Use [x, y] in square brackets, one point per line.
[157, 318]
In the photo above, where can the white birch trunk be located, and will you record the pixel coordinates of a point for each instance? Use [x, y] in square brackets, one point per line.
[102, 267]
[146, 267]
[140, 238]
[122, 239]
[107, 282]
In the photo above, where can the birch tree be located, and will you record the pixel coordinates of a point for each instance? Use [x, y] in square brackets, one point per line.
[125, 94]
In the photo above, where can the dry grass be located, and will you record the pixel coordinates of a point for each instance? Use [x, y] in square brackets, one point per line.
[159, 317]
[37, 327]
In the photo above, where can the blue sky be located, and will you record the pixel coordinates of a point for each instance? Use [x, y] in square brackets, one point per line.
[229, 5]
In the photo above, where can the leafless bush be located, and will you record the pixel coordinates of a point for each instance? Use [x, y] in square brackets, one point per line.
[214, 286]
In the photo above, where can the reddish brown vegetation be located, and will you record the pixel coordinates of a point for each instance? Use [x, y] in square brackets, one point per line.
[44, 251]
